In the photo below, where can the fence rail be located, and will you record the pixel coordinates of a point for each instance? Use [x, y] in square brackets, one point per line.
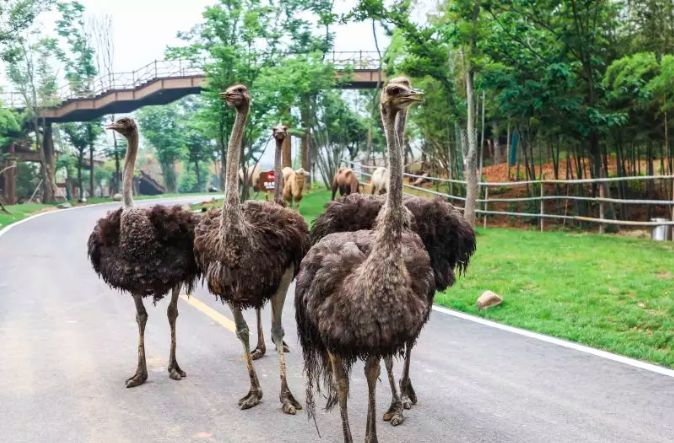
[161, 69]
[542, 198]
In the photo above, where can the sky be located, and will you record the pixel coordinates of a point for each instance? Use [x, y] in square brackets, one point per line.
[142, 29]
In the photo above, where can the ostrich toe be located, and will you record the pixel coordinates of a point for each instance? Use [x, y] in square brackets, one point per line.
[409, 397]
[290, 405]
[258, 352]
[253, 398]
[394, 415]
[175, 373]
[138, 379]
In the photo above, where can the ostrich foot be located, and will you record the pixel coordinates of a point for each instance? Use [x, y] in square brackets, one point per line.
[394, 415]
[253, 398]
[138, 379]
[290, 405]
[409, 397]
[175, 373]
[258, 352]
[285, 347]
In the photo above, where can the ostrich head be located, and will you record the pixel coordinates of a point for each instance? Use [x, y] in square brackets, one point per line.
[398, 95]
[236, 96]
[125, 126]
[280, 132]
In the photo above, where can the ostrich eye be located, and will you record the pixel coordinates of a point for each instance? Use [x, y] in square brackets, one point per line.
[394, 90]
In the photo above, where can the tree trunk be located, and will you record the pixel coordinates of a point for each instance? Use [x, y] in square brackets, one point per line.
[80, 165]
[286, 153]
[91, 170]
[498, 149]
[197, 172]
[48, 164]
[470, 157]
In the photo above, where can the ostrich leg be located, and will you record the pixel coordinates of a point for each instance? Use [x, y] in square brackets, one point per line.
[290, 405]
[172, 312]
[409, 397]
[342, 382]
[141, 318]
[371, 373]
[254, 395]
[394, 415]
[261, 348]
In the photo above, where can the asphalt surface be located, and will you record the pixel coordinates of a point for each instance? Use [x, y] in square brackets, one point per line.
[68, 342]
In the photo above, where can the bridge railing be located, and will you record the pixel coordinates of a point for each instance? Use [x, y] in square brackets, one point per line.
[160, 69]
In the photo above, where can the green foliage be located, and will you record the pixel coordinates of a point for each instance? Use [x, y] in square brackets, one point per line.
[79, 64]
[10, 129]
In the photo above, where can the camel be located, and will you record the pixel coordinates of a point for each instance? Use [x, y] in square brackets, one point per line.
[379, 180]
[448, 238]
[293, 185]
[147, 252]
[365, 294]
[346, 181]
[249, 253]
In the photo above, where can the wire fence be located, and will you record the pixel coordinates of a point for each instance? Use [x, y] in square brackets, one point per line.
[544, 202]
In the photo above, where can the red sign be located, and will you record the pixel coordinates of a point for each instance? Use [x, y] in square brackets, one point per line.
[267, 180]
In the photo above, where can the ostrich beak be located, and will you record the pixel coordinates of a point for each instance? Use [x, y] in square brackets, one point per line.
[112, 126]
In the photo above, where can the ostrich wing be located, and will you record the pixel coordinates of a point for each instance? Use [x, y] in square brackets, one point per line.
[448, 238]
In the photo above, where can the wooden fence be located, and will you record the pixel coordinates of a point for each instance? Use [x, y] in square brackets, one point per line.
[485, 201]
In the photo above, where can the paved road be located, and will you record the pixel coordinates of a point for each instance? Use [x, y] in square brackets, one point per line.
[67, 343]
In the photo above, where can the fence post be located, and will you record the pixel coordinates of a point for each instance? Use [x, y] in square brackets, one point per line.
[601, 207]
[484, 216]
[155, 69]
[542, 205]
[672, 229]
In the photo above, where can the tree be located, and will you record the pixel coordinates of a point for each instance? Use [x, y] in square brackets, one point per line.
[15, 17]
[82, 136]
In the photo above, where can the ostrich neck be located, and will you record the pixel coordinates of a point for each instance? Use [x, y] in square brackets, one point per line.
[231, 213]
[394, 197]
[277, 172]
[129, 166]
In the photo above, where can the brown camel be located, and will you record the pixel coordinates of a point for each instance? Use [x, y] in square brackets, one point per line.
[147, 252]
[293, 186]
[345, 181]
[365, 294]
[249, 253]
[448, 238]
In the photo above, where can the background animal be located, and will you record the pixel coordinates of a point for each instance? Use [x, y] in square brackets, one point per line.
[379, 180]
[345, 181]
[293, 185]
[365, 294]
[146, 252]
[253, 178]
[249, 253]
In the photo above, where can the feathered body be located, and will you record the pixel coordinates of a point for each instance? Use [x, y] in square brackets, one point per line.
[338, 298]
[245, 271]
[448, 238]
[145, 251]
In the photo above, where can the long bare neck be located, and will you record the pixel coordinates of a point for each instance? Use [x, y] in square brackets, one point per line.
[393, 209]
[129, 166]
[231, 210]
[277, 171]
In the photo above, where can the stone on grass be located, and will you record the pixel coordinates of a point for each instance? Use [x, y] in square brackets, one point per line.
[65, 205]
[117, 197]
[488, 299]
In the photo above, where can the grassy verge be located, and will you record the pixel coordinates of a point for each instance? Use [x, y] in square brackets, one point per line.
[19, 212]
[609, 292]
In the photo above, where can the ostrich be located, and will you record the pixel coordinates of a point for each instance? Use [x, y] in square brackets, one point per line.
[146, 252]
[249, 253]
[448, 238]
[279, 132]
[346, 181]
[365, 294]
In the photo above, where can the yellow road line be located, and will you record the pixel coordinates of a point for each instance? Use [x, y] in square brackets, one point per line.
[210, 312]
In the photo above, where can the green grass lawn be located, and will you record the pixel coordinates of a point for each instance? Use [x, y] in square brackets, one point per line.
[605, 291]
[19, 212]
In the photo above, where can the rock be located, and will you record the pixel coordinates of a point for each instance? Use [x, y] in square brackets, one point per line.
[488, 299]
[65, 205]
[83, 200]
[117, 197]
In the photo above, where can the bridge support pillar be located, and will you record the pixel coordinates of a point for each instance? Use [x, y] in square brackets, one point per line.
[9, 177]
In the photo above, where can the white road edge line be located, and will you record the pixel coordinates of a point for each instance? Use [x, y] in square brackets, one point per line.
[545, 338]
[559, 342]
